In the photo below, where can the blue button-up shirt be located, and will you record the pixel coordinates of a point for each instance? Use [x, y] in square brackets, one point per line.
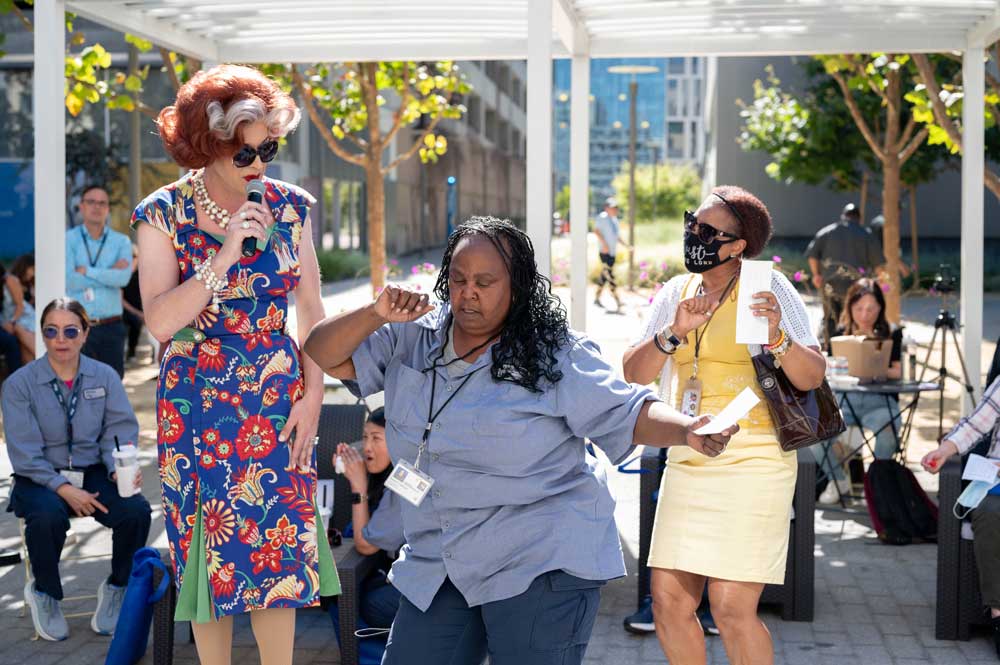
[106, 282]
[385, 528]
[34, 421]
[515, 495]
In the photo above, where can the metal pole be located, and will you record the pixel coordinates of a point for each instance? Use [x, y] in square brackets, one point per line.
[973, 229]
[579, 188]
[632, 88]
[135, 138]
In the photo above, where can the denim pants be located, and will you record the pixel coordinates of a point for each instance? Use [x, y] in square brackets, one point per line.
[46, 521]
[106, 343]
[379, 601]
[549, 624]
[986, 527]
[873, 412]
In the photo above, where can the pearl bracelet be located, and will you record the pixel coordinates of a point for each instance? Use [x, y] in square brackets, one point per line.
[213, 283]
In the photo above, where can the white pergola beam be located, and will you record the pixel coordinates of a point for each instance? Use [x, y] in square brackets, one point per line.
[753, 44]
[126, 18]
[570, 28]
[539, 132]
[973, 227]
[986, 31]
[579, 187]
[321, 50]
[49, 110]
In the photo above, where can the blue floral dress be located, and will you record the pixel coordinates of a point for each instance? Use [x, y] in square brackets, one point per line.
[227, 384]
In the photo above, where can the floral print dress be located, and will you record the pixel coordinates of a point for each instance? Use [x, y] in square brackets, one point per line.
[241, 520]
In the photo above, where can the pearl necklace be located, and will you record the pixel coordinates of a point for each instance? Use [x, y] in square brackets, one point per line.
[218, 214]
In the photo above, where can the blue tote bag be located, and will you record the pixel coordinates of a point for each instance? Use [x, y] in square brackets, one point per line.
[128, 645]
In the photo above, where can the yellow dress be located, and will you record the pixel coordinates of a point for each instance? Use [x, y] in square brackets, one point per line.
[725, 517]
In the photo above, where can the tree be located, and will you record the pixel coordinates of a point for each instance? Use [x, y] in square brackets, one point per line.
[662, 190]
[344, 102]
[852, 120]
[939, 106]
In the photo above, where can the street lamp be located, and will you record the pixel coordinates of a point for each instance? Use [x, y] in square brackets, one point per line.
[633, 86]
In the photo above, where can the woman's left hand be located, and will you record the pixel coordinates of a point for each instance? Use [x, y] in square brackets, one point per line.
[304, 420]
[768, 308]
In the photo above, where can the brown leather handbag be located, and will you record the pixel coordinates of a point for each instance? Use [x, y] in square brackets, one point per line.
[801, 417]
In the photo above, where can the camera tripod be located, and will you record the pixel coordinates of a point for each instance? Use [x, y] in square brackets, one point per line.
[944, 324]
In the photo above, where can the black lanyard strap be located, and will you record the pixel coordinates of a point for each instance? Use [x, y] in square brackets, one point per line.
[86, 245]
[69, 408]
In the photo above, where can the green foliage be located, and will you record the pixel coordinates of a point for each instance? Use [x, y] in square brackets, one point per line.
[337, 264]
[677, 188]
[87, 154]
[429, 90]
[811, 135]
[563, 201]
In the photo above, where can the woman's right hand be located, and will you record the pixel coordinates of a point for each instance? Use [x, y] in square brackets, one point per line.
[81, 502]
[935, 459]
[401, 304]
[354, 467]
[692, 314]
[258, 219]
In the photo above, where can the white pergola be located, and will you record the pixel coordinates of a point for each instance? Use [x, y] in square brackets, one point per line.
[258, 31]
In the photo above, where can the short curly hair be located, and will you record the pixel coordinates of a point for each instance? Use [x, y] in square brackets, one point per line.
[751, 214]
[205, 122]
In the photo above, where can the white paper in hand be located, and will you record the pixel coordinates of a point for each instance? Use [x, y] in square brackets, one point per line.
[755, 276]
[980, 468]
[732, 414]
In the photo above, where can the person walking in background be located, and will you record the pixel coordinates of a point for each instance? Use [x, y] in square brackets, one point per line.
[237, 404]
[62, 415]
[16, 313]
[721, 520]
[132, 307]
[838, 255]
[98, 266]
[607, 229]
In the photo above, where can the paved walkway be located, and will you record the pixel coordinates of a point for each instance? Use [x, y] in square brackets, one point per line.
[874, 603]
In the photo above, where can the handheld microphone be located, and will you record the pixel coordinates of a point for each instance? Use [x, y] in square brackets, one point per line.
[255, 193]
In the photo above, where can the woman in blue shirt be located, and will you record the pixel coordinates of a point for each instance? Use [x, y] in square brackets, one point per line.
[509, 526]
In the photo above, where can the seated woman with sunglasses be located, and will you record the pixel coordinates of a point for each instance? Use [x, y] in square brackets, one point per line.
[238, 407]
[62, 415]
[721, 520]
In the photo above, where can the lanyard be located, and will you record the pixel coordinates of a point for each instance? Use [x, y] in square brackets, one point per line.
[700, 336]
[86, 245]
[69, 409]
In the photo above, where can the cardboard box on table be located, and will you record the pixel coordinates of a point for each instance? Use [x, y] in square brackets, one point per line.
[867, 359]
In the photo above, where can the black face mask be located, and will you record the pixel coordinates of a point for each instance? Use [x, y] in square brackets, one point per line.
[701, 256]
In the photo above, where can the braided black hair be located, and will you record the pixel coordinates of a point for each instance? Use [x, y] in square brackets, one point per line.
[536, 325]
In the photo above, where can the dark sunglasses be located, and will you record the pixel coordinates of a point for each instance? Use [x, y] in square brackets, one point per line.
[69, 332]
[266, 151]
[705, 232]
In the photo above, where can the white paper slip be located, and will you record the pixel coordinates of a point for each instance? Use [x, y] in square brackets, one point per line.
[980, 468]
[755, 276]
[732, 414]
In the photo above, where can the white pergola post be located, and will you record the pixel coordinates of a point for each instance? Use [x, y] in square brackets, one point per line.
[579, 186]
[973, 228]
[49, 108]
[539, 130]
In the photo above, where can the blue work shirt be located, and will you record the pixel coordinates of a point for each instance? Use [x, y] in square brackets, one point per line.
[385, 527]
[515, 495]
[34, 421]
[106, 282]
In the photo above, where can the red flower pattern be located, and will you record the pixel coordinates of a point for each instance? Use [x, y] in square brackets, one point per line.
[256, 438]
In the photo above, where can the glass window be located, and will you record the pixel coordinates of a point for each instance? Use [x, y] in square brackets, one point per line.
[675, 140]
[696, 97]
[673, 103]
[675, 66]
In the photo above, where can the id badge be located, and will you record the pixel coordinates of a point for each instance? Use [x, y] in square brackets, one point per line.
[74, 477]
[691, 398]
[409, 483]
[88, 295]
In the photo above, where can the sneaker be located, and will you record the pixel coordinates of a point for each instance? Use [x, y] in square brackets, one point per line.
[707, 622]
[833, 492]
[46, 614]
[641, 623]
[109, 606]
[597, 302]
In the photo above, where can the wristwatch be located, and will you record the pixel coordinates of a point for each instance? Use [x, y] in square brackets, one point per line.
[667, 343]
[357, 498]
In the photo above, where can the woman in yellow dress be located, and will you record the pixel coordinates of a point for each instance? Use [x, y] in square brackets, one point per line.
[721, 520]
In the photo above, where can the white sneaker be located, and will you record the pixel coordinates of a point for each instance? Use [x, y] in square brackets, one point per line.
[831, 495]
